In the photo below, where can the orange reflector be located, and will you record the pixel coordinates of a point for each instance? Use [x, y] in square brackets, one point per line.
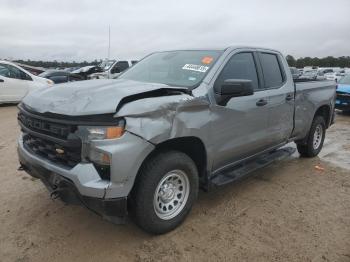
[105, 159]
[114, 132]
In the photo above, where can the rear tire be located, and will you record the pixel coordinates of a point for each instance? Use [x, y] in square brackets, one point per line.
[164, 192]
[315, 139]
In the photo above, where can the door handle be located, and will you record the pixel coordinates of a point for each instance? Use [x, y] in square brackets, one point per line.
[261, 102]
[2, 80]
[289, 97]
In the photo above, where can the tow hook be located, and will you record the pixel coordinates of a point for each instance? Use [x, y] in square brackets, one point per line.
[55, 193]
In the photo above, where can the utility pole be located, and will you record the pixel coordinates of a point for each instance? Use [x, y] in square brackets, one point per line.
[109, 40]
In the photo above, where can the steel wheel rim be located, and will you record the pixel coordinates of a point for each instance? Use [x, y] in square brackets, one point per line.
[317, 137]
[171, 194]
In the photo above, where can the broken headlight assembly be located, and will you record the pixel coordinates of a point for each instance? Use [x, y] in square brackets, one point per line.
[91, 138]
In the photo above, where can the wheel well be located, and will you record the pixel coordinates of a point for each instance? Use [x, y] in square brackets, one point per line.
[325, 112]
[191, 146]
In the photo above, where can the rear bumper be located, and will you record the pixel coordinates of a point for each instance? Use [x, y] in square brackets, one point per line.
[113, 209]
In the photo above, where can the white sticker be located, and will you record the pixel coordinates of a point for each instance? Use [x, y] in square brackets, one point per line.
[191, 78]
[197, 68]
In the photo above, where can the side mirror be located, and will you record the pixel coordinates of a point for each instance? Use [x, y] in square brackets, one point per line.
[232, 88]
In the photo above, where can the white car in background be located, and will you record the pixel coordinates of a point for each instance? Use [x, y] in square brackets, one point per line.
[112, 68]
[336, 76]
[16, 82]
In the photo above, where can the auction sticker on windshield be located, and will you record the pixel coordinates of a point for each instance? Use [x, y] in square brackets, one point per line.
[197, 68]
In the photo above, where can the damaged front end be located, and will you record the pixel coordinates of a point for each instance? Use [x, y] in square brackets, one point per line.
[88, 144]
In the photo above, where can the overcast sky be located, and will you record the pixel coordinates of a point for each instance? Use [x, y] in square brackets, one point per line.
[68, 30]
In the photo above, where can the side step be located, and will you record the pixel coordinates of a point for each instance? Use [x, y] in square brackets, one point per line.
[237, 172]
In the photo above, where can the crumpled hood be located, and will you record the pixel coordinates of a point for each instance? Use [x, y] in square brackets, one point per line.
[89, 97]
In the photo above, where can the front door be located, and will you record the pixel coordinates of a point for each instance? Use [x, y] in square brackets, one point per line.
[240, 129]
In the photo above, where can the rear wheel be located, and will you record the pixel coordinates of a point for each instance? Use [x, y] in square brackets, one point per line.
[315, 139]
[165, 191]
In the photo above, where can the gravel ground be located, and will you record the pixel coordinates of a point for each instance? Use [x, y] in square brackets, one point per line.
[289, 211]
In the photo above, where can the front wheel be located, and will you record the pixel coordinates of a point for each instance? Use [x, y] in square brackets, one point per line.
[315, 139]
[165, 191]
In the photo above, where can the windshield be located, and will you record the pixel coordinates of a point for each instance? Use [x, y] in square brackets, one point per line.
[345, 80]
[175, 68]
[105, 65]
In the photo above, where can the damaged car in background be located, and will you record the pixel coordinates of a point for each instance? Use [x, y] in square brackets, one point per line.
[145, 143]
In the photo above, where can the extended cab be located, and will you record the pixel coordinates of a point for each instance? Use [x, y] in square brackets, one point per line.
[144, 143]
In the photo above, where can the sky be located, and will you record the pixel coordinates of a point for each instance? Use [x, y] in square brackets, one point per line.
[77, 30]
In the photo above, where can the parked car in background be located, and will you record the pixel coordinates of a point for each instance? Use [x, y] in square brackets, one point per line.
[112, 68]
[343, 94]
[295, 72]
[61, 76]
[16, 82]
[309, 75]
[71, 69]
[85, 71]
[335, 76]
[312, 75]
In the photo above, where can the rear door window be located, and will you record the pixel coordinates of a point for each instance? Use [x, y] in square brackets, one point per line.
[271, 68]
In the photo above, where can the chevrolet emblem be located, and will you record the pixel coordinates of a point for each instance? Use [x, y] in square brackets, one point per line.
[59, 151]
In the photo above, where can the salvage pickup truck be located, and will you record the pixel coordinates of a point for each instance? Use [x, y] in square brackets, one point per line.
[143, 144]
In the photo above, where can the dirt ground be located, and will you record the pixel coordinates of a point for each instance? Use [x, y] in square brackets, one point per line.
[289, 211]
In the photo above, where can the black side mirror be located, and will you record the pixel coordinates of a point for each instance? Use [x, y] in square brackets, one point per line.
[232, 88]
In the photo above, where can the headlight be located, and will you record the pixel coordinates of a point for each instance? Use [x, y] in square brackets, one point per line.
[100, 133]
[91, 134]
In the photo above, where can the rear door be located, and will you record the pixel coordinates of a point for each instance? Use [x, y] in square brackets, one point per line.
[240, 129]
[279, 90]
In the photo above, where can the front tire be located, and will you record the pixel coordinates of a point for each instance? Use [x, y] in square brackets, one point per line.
[315, 139]
[164, 192]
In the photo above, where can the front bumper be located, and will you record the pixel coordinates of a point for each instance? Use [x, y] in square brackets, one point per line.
[114, 209]
[83, 185]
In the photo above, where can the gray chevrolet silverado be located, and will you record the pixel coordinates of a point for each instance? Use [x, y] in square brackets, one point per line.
[145, 143]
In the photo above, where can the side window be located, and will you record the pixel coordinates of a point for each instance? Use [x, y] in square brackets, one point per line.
[4, 71]
[17, 73]
[240, 66]
[122, 65]
[271, 70]
[59, 79]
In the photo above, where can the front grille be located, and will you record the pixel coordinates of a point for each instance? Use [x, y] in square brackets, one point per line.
[45, 126]
[65, 156]
[50, 138]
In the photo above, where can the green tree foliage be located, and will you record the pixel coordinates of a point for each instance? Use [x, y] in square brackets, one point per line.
[329, 61]
[291, 61]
